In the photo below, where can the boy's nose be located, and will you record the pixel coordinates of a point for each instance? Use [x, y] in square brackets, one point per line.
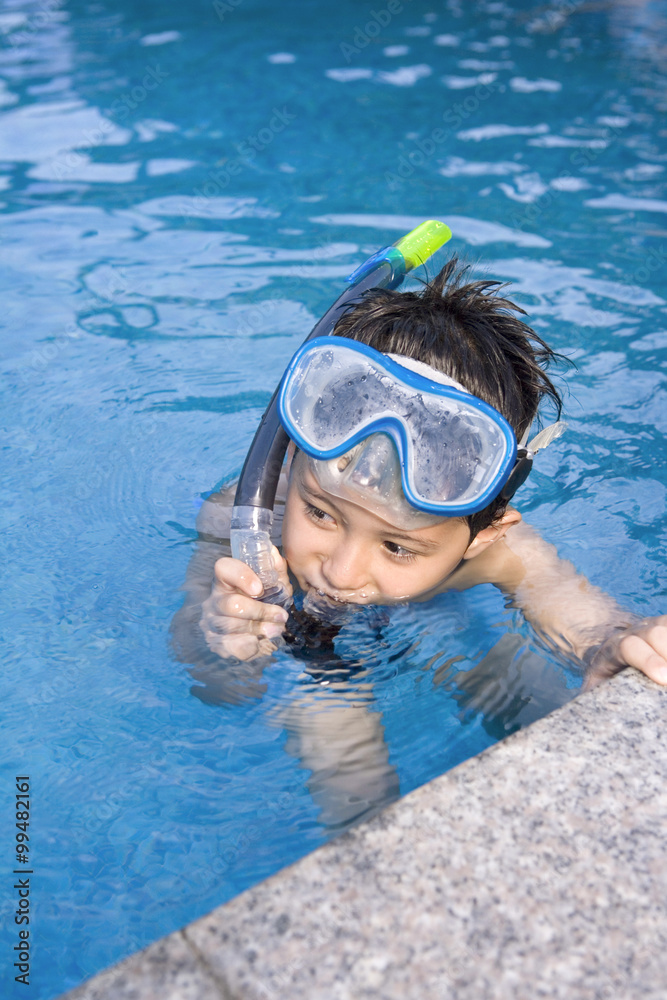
[345, 567]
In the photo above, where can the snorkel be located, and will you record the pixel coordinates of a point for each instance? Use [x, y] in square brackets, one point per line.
[252, 515]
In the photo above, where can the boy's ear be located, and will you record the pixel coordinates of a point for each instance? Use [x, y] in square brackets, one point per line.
[494, 532]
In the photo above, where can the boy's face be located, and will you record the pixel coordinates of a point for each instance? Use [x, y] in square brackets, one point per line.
[352, 555]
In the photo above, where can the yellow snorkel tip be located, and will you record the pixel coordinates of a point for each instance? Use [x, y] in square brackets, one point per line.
[423, 242]
[409, 252]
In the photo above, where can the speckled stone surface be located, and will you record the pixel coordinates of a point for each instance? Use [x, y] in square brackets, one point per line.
[169, 968]
[538, 869]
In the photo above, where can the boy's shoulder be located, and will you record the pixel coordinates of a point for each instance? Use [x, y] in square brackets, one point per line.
[215, 514]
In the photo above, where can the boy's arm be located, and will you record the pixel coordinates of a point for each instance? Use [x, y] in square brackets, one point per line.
[213, 531]
[576, 616]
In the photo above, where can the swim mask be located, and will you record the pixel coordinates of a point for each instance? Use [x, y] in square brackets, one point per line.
[392, 434]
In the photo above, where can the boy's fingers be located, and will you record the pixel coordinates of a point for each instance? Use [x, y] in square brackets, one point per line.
[242, 647]
[232, 574]
[655, 635]
[236, 605]
[234, 622]
[229, 625]
[643, 646]
[647, 654]
[280, 564]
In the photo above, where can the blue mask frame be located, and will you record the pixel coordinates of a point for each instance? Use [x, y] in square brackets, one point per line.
[497, 455]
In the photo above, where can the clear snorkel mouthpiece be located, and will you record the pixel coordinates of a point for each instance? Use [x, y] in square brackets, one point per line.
[252, 515]
[251, 543]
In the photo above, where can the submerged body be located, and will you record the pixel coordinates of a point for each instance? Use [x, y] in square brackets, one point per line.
[349, 554]
[336, 732]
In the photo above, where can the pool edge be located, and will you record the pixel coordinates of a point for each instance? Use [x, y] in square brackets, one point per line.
[534, 869]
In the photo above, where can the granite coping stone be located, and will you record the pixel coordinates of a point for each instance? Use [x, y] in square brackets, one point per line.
[536, 870]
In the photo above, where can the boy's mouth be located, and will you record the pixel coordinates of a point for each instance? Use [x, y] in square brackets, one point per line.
[319, 604]
[323, 595]
[316, 593]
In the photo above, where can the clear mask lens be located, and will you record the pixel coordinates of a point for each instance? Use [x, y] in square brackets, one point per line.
[370, 476]
[454, 450]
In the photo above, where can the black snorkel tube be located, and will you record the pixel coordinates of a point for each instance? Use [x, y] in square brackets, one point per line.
[252, 515]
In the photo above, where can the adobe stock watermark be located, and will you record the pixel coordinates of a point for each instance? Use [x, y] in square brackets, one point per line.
[218, 180]
[256, 318]
[252, 144]
[232, 849]
[130, 100]
[550, 20]
[424, 149]
[42, 358]
[70, 674]
[580, 158]
[364, 34]
[224, 7]
[68, 162]
[41, 18]
[259, 314]
[101, 811]
[654, 260]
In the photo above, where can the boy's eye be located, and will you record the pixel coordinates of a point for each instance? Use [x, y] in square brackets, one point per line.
[397, 550]
[316, 514]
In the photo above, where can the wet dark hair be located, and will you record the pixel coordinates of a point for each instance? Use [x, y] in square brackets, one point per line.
[467, 331]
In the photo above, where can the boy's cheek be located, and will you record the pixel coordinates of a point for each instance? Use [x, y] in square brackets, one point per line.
[298, 575]
[425, 583]
[408, 584]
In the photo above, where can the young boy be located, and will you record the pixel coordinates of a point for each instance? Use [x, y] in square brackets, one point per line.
[353, 544]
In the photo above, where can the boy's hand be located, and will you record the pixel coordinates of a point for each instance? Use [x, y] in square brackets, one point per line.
[233, 621]
[642, 645]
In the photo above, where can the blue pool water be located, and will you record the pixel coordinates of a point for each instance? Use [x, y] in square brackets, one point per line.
[184, 188]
